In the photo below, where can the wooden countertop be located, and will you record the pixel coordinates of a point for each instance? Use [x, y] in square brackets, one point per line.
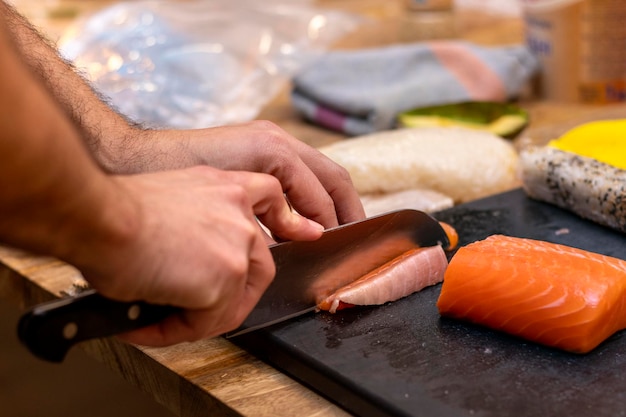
[214, 375]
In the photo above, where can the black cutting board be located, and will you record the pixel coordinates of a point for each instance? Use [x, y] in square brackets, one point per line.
[403, 359]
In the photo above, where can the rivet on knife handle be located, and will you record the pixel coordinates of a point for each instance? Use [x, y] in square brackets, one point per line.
[50, 329]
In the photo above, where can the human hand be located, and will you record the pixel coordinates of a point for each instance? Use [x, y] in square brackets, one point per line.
[317, 187]
[198, 246]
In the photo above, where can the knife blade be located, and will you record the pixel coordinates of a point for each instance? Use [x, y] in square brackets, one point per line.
[305, 273]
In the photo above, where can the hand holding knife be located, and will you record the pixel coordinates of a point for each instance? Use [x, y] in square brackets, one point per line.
[50, 329]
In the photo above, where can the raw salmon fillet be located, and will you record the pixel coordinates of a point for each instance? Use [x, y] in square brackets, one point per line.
[547, 293]
[403, 275]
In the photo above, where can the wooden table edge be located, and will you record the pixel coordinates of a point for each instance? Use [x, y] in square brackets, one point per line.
[182, 378]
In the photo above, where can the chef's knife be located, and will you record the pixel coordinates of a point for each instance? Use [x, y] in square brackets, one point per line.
[305, 273]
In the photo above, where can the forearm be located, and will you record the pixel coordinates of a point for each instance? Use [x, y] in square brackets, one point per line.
[53, 197]
[108, 134]
[315, 185]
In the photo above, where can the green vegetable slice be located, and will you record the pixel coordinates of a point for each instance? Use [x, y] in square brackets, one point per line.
[503, 119]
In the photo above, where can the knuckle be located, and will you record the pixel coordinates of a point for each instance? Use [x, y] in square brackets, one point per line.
[265, 125]
[275, 140]
[344, 174]
[272, 185]
[235, 267]
[239, 267]
[203, 170]
[276, 146]
[237, 193]
[341, 172]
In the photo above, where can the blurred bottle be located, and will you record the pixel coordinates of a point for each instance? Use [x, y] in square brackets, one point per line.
[427, 20]
[430, 5]
[580, 45]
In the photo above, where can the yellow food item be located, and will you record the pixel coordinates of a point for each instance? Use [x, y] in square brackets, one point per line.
[502, 126]
[604, 141]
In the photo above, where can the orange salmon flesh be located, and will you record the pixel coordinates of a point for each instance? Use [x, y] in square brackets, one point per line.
[551, 294]
[452, 234]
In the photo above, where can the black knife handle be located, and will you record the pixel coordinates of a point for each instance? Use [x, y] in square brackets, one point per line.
[50, 329]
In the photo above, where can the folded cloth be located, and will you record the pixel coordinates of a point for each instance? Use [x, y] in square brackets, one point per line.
[360, 92]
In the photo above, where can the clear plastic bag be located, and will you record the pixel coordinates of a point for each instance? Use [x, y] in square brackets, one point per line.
[199, 63]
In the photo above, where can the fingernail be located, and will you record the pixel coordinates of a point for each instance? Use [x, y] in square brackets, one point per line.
[316, 225]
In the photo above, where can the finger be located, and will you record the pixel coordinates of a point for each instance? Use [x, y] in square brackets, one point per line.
[317, 187]
[270, 206]
[190, 325]
[337, 182]
[301, 185]
[229, 314]
[185, 326]
[320, 189]
[261, 273]
[308, 196]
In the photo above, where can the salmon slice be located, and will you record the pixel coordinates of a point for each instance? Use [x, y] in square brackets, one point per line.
[452, 235]
[547, 293]
[403, 275]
